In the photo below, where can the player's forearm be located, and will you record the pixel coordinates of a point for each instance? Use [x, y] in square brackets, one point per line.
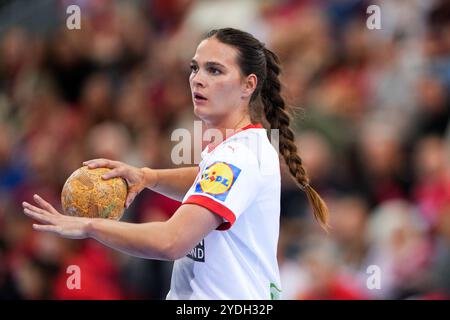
[173, 183]
[146, 240]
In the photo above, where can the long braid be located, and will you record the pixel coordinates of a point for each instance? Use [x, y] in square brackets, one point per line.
[255, 58]
[278, 117]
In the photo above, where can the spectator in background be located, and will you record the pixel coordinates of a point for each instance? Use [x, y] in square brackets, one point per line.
[399, 246]
[432, 189]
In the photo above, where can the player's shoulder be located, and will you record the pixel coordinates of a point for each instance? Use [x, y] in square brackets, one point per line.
[249, 151]
[249, 148]
[252, 141]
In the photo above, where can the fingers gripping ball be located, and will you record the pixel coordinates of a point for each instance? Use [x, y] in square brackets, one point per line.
[86, 194]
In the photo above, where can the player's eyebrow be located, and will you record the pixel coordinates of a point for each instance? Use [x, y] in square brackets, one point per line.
[209, 64]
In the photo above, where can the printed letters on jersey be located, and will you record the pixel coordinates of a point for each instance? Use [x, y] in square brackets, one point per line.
[217, 180]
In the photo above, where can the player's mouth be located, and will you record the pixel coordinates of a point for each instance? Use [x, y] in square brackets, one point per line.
[199, 98]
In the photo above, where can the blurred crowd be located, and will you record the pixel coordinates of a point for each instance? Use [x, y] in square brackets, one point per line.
[372, 114]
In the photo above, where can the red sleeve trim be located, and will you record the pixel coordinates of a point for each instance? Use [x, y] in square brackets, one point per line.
[214, 207]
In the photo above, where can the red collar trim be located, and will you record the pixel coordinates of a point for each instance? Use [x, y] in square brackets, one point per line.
[211, 147]
[251, 126]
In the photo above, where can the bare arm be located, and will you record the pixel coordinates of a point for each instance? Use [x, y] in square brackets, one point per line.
[168, 240]
[173, 183]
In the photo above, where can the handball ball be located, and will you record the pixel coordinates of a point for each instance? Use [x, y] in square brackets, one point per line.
[86, 194]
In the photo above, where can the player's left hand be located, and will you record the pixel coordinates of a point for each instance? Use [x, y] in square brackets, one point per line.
[53, 221]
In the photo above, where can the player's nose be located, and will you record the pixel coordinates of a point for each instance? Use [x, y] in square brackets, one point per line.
[198, 80]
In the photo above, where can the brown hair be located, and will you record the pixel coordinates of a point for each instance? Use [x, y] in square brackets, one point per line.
[254, 57]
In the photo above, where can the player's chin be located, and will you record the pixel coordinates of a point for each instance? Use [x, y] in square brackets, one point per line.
[202, 111]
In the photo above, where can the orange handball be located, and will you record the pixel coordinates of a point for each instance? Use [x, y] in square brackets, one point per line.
[86, 194]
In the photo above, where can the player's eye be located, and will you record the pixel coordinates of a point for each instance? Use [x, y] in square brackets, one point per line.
[194, 68]
[214, 71]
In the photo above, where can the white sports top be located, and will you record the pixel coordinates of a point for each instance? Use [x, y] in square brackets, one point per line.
[240, 181]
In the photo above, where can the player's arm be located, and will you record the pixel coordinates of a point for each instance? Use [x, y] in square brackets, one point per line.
[173, 183]
[167, 240]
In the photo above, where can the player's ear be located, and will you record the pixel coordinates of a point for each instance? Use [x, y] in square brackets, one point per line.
[249, 84]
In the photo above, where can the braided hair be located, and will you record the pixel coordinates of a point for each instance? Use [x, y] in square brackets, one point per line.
[255, 58]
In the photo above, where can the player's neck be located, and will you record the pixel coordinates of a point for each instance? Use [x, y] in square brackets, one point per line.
[227, 128]
[230, 125]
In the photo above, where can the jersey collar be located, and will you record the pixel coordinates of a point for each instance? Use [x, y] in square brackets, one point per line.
[211, 146]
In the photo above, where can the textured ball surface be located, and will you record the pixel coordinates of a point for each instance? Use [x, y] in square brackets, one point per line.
[86, 194]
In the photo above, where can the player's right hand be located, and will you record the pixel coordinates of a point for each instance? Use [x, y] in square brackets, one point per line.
[136, 178]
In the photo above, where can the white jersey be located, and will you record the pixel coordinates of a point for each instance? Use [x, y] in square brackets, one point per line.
[240, 181]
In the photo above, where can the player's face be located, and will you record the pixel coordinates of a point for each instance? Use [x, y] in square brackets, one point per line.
[216, 81]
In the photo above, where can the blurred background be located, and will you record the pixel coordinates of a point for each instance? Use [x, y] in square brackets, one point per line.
[372, 130]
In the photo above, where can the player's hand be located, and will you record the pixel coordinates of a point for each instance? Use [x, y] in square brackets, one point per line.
[136, 178]
[53, 221]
